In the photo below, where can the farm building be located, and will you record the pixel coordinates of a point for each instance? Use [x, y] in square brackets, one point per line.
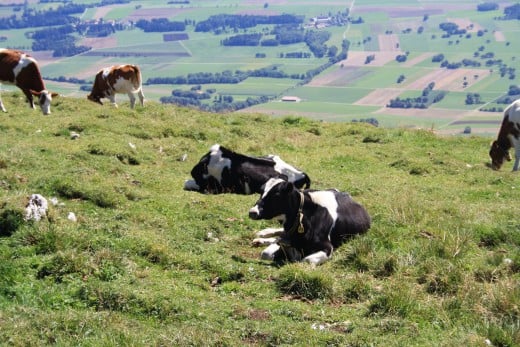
[291, 99]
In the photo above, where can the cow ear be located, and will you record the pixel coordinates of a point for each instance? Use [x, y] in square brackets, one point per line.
[54, 95]
[34, 92]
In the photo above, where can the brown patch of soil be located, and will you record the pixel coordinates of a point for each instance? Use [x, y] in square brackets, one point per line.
[417, 59]
[499, 36]
[379, 97]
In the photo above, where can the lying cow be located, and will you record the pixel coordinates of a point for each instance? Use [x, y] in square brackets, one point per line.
[117, 80]
[224, 171]
[508, 136]
[314, 222]
[22, 70]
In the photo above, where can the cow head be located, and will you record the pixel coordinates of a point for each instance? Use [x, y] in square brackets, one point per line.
[44, 100]
[95, 98]
[275, 202]
[498, 155]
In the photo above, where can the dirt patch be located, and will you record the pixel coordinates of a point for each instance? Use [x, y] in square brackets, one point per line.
[417, 59]
[389, 43]
[499, 36]
[356, 58]
[338, 78]
[379, 97]
[450, 80]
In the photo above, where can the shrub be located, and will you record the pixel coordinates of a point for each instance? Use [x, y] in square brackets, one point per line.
[10, 221]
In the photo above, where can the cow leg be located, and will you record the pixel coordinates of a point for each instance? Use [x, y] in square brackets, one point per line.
[29, 97]
[262, 241]
[317, 258]
[517, 159]
[268, 232]
[270, 252]
[112, 99]
[2, 107]
[141, 96]
[320, 256]
[132, 99]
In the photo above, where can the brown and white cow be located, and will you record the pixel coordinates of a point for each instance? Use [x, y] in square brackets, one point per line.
[22, 70]
[117, 79]
[508, 136]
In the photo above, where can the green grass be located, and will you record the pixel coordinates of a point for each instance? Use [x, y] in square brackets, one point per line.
[148, 263]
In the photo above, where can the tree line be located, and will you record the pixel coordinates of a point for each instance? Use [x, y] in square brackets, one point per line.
[220, 22]
[428, 97]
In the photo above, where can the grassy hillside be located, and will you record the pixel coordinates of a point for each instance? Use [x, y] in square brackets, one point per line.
[149, 264]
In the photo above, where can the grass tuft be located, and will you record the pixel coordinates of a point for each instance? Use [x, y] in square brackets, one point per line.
[302, 282]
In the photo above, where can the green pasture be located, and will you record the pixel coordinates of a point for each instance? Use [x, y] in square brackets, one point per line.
[456, 101]
[336, 112]
[339, 95]
[378, 77]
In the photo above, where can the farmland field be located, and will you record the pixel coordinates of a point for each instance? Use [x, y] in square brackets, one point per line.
[364, 82]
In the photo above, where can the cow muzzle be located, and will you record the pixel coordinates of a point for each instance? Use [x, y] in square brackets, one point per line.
[254, 213]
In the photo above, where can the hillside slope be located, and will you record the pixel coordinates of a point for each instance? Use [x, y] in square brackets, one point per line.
[147, 263]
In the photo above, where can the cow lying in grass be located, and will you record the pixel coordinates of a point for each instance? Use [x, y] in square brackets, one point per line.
[224, 171]
[314, 222]
[508, 136]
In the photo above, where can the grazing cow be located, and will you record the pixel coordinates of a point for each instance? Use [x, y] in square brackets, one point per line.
[117, 80]
[508, 136]
[224, 171]
[314, 222]
[22, 70]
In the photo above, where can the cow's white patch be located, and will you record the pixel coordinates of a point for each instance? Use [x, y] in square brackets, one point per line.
[270, 184]
[22, 63]
[268, 253]
[106, 72]
[191, 185]
[282, 167]
[327, 200]
[122, 85]
[268, 232]
[262, 241]
[217, 163]
[316, 258]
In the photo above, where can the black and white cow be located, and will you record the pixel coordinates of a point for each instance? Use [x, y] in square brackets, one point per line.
[314, 222]
[224, 171]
